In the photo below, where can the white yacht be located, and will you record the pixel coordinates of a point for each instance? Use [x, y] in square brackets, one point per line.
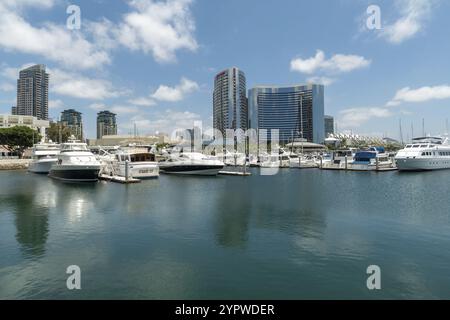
[275, 160]
[302, 161]
[141, 165]
[426, 153]
[44, 156]
[191, 163]
[75, 163]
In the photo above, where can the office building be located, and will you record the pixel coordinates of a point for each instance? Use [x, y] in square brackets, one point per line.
[296, 111]
[8, 121]
[32, 92]
[106, 124]
[73, 120]
[329, 126]
[230, 105]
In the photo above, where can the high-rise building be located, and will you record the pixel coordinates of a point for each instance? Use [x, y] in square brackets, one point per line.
[230, 105]
[32, 92]
[329, 125]
[297, 111]
[14, 110]
[72, 119]
[106, 124]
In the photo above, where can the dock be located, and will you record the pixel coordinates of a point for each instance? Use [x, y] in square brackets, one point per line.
[118, 179]
[235, 173]
[349, 168]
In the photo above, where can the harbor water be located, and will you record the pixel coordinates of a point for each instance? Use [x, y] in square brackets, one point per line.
[300, 234]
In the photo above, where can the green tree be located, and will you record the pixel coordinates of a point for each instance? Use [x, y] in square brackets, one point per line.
[58, 132]
[17, 139]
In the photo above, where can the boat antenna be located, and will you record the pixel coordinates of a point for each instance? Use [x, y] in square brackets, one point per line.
[401, 131]
[423, 127]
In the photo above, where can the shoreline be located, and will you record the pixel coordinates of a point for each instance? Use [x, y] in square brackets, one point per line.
[14, 164]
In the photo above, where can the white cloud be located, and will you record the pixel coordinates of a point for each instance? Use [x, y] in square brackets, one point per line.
[55, 104]
[53, 42]
[158, 28]
[166, 122]
[81, 87]
[177, 93]
[326, 81]
[142, 101]
[338, 63]
[7, 87]
[422, 94]
[414, 14]
[355, 117]
[118, 109]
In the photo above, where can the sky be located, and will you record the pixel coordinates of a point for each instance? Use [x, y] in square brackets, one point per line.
[153, 62]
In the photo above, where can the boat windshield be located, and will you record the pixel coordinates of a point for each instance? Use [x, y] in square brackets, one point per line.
[74, 147]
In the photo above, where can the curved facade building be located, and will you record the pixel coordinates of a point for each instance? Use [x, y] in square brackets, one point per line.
[288, 109]
[230, 107]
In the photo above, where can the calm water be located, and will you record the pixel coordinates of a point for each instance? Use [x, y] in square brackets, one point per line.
[299, 234]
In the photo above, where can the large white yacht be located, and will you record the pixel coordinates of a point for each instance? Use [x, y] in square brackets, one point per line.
[75, 163]
[191, 163]
[44, 156]
[426, 153]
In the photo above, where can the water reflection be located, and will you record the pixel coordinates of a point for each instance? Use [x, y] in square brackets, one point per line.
[232, 219]
[31, 222]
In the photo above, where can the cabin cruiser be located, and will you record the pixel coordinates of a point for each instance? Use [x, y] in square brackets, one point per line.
[191, 163]
[44, 156]
[233, 158]
[302, 161]
[275, 160]
[141, 165]
[336, 159]
[371, 159]
[75, 163]
[425, 153]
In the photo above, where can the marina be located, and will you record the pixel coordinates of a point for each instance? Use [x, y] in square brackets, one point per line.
[300, 234]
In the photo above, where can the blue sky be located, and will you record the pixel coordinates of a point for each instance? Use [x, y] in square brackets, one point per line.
[153, 62]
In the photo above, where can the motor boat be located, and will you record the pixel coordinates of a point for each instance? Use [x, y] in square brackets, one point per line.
[302, 161]
[371, 159]
[424, 153]
[191, 163]
[141, 165]
[75, 163]
[44, 155]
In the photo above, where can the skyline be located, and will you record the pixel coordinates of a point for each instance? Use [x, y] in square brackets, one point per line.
[154, 63]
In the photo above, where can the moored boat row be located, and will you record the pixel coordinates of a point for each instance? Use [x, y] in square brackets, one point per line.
[73, 161]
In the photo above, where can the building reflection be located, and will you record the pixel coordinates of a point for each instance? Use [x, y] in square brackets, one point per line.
[233, 213]
[31, 223]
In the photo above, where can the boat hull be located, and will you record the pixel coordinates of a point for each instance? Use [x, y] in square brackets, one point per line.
[209, 170]
[42, 166]
[422, 164]
[75, 173]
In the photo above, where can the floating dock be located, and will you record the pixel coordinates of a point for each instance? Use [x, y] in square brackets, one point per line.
[358, 169]
[118, 179]
[235, 173]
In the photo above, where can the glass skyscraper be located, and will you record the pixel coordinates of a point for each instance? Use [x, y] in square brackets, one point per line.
[230, 106]
[329, 126]
[296, 111]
